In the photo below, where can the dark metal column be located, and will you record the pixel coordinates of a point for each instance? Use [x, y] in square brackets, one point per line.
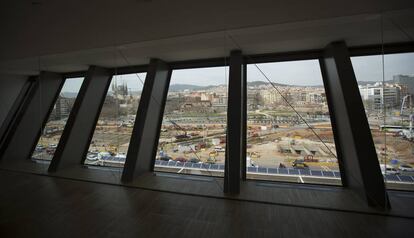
[31, 117]
[143, 145]
[232, 171]
[360, 170]
[10, 122]
[244, 123]
[79, 129]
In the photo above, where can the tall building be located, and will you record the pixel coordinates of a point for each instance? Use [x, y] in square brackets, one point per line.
[62, 107]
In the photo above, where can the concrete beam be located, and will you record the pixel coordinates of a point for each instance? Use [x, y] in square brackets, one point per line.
[358, 162]
[82, 120]
[143, 145]
[235, 127]
[32, 116]
[13, 95]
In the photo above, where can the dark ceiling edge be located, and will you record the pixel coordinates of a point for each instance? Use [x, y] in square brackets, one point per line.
[394, 48]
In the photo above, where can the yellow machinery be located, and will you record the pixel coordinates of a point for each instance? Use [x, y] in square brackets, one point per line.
[253, 154]
[213, 154]
[113, 150]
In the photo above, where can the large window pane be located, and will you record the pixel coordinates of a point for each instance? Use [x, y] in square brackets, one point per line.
[193, 134]
[386, 85]
[113, 130]
[280, 145]
[53, 130]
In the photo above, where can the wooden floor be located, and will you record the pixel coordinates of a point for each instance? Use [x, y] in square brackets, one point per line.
[287, 194]
[41, 206]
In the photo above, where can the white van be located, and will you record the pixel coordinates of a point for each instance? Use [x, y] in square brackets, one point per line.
[219, 149]
[388, 169]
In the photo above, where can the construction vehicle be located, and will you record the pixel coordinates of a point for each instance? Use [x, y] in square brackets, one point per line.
[219, 149]
[182, 137]
[253, 154]
[111, 149]
[299, 164]
[213, 154]
[310, 158]
[180, 159]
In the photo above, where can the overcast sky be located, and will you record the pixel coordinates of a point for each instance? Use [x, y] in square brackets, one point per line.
[132, 81]
[72, 85]
[367, 68]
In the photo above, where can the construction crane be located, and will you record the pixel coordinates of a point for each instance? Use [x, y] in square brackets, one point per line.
[407, 133]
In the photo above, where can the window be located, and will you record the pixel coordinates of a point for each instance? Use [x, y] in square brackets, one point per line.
[388, 105]
[280, 145]
[193, 132]
[47, 144]
[110, 140]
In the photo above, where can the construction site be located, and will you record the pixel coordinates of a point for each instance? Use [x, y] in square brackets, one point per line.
[267, 146]
[281, 146]
[277, 137]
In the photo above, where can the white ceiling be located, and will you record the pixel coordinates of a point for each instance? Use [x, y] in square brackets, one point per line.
[71, 35]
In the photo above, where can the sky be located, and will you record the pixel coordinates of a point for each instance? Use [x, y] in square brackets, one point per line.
[72, 85]
[134, 83]
[369, 68]
[306, 73]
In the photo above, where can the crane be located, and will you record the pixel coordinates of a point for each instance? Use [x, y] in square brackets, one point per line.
[407, 133]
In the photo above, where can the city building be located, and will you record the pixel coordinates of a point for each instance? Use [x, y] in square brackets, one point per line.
[62, 107]
[376, 95]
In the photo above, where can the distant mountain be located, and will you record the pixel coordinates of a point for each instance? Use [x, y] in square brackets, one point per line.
[363, 83]
[182, 87]
[256, 83]
[259, 83]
